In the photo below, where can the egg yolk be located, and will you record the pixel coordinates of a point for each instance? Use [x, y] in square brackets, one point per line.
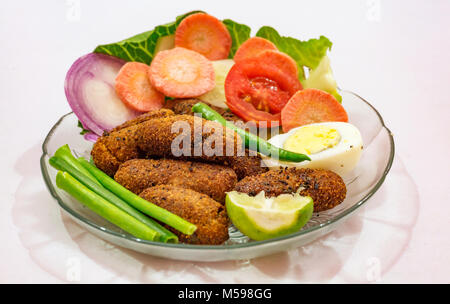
[312, 139]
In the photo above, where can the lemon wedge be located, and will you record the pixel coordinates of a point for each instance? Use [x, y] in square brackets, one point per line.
[262, 218]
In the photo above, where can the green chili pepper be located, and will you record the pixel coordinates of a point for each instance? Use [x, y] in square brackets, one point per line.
[250, 140]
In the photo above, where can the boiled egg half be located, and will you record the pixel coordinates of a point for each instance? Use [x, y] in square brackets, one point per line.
[336, 146]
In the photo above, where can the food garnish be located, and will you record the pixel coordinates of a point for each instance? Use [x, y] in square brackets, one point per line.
[137, 202]
[256, 90]
[311, 106]
[253, 47]
[160, 233]
[251, 140]
[336, 146]
[262, 218]
[258, 98]
[89, 88]
[322, 78]
[134, 89]
[283, 61]
[104, 208]
[216, 97]
[204, 34]
[144, 46]
[307, 53]
[181, 73]
[239, 34]
[65, 154]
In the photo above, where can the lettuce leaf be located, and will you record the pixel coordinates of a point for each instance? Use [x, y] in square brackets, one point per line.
[322, 78]
[83, 129]
[310, 54]
[239, 34]
[141, 47]
[305, 53]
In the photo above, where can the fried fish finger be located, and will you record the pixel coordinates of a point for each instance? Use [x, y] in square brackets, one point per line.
[326, 188]
[208, 215]
[210, 179]
[119, 145]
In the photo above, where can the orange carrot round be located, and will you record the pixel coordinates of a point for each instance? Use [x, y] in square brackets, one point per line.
[252, 47]
[281, 60]
[204, 34]
[134, 89]
[311, 106]
[181, 73]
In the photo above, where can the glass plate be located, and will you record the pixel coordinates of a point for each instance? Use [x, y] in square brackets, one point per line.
[364, 181]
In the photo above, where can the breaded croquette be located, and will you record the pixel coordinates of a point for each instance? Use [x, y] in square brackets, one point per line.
[210, 179]
[144, 117]
[184, 106]
[188, 137]
[208, 215]
[119, 145]
[246, 165]
[326, 188]
[114, 148]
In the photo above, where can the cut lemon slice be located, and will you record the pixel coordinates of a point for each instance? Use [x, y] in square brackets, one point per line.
[262, 218]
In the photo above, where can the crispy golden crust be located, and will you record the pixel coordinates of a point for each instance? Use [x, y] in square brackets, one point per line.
[247, 165]
[119, 145]
[242, 165]
[103, 158]
[188, 137]
[210, 179]
[144, 117]
[114, 148]
[326, 188]
[208, 215]
[184, 106]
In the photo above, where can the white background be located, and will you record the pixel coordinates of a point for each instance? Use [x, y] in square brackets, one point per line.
[393, 53]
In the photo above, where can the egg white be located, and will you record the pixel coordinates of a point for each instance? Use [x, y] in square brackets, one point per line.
[341, 158]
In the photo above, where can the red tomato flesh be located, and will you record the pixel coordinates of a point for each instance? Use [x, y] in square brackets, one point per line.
[257, 91]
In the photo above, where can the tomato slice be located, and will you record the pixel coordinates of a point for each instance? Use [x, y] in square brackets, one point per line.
[257, 90]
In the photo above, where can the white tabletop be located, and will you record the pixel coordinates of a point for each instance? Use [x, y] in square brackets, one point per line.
[393, 53]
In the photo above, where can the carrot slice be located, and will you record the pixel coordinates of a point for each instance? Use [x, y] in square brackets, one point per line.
[252, 47]
[281, 60]
[134, 89]
[310, 106]
[204, 34]
[181, 73]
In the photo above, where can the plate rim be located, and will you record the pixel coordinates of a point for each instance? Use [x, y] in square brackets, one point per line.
[337, 218]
